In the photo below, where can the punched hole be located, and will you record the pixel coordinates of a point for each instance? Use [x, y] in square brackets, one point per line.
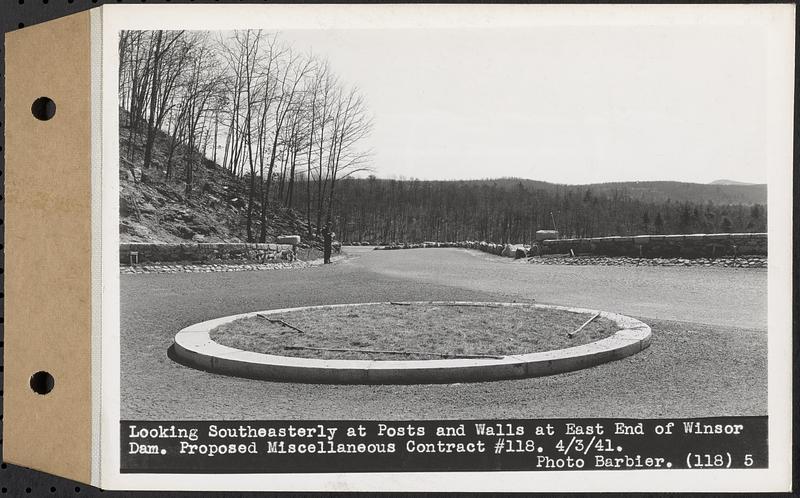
[43, 108]
[42, 382]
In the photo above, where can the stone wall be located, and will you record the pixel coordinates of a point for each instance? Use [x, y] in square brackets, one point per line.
[648, 246]
[651, 246]
[508, 250]
[202, 253]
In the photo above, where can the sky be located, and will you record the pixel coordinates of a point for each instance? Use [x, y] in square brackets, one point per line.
[579, 104]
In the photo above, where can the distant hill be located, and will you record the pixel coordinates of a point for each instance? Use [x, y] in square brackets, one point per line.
[651, 191]
[688, 192]
[512, 209]
[729, 182]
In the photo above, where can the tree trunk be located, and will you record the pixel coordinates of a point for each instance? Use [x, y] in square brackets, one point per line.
[291, 179]
[327, 246]
[216, 137]
[262, 237]
[151, 132]
[250, 208]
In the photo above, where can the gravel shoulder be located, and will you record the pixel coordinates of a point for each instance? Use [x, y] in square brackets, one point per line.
[692, 369]
[178, 267]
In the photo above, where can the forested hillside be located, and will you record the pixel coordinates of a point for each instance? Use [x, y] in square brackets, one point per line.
[156, 207]
[654, 191]
[512, 210]
[221, 131]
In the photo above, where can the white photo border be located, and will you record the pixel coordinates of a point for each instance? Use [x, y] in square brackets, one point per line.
[777, 21]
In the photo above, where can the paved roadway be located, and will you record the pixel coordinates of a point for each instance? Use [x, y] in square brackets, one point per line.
[715, 296]
[708, 355]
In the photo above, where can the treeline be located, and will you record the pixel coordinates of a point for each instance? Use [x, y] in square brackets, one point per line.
[387, 211]
[280, 120]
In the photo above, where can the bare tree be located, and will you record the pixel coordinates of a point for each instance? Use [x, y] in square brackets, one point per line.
[294, 70]
[268, 111]
[203, 83]
[168, 61]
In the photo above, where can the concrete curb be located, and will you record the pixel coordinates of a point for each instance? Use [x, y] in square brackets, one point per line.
[194, 347]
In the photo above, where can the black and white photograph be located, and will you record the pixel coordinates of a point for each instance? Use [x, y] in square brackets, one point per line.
[469, 223]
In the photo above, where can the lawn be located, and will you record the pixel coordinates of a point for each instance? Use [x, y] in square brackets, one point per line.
[411, 332]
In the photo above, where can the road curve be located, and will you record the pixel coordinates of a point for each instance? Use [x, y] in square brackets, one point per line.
[717, 296]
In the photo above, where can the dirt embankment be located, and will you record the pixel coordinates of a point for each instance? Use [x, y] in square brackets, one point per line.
[156, 208]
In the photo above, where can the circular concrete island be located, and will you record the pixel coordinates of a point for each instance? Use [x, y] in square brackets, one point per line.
[409, 342]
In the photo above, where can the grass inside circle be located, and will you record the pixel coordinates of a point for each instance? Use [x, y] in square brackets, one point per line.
[415, 331]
